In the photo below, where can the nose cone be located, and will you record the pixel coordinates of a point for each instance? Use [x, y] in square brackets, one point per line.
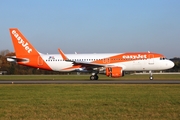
[170, 64]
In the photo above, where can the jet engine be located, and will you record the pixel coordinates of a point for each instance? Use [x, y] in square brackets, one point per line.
[114, 72]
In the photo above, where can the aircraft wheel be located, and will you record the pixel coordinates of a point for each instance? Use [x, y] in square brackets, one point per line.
[92, 77]
[151, 77]
[96, 77]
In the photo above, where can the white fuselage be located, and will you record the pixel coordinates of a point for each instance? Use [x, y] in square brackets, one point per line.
[56, 62]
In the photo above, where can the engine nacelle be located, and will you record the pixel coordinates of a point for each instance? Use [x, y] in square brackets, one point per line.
[114, 72]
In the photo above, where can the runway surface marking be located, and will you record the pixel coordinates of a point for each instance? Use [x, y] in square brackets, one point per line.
[90, 82]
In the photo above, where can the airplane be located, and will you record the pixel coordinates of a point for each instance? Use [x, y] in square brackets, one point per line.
[111, 64]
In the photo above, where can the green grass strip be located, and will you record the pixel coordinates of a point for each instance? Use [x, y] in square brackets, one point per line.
[90, 102]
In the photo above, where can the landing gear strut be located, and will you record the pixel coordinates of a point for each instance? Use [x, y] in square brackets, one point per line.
[94, 76]
[151, 75]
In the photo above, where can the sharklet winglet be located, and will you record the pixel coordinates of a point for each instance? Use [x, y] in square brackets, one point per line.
[63, 55]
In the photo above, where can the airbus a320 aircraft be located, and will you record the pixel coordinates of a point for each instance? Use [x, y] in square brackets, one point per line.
[111, 64]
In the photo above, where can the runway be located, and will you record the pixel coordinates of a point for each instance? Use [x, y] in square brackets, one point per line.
[90, 82]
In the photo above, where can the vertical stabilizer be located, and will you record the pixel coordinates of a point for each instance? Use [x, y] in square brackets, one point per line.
[21, 45]
[26, 54]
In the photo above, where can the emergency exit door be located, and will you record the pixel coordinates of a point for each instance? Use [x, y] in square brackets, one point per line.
[40, 61]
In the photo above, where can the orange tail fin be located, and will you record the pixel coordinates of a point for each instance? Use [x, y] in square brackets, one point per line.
[26, 54]
[21, 45]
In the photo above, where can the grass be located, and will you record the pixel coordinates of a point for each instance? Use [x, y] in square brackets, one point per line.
[86, 77]
[90, 102]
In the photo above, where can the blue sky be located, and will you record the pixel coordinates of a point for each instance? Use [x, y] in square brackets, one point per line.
[94, 26]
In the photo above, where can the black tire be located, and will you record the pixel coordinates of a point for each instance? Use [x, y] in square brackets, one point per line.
[151, 78]
[96, 77]
[92, 77]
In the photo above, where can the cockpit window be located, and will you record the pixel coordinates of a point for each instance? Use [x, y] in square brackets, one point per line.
[163, 58]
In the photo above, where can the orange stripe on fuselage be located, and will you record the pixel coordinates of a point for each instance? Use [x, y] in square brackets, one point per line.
[124, 57]
[73, 67]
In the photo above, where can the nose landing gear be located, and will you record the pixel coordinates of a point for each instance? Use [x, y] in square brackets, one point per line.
[151, 75]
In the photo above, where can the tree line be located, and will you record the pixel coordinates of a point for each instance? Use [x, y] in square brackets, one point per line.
[15, 69]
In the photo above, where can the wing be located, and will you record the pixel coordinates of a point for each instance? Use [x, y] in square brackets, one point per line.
[81, 63]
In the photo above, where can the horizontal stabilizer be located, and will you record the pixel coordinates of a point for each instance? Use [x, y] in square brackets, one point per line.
[15, 59]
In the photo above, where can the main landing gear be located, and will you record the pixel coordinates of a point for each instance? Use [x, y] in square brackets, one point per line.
[94, 76]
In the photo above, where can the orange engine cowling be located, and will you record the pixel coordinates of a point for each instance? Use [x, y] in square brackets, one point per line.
[114, 72]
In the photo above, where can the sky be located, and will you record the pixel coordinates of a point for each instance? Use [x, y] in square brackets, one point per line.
[94, 26]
